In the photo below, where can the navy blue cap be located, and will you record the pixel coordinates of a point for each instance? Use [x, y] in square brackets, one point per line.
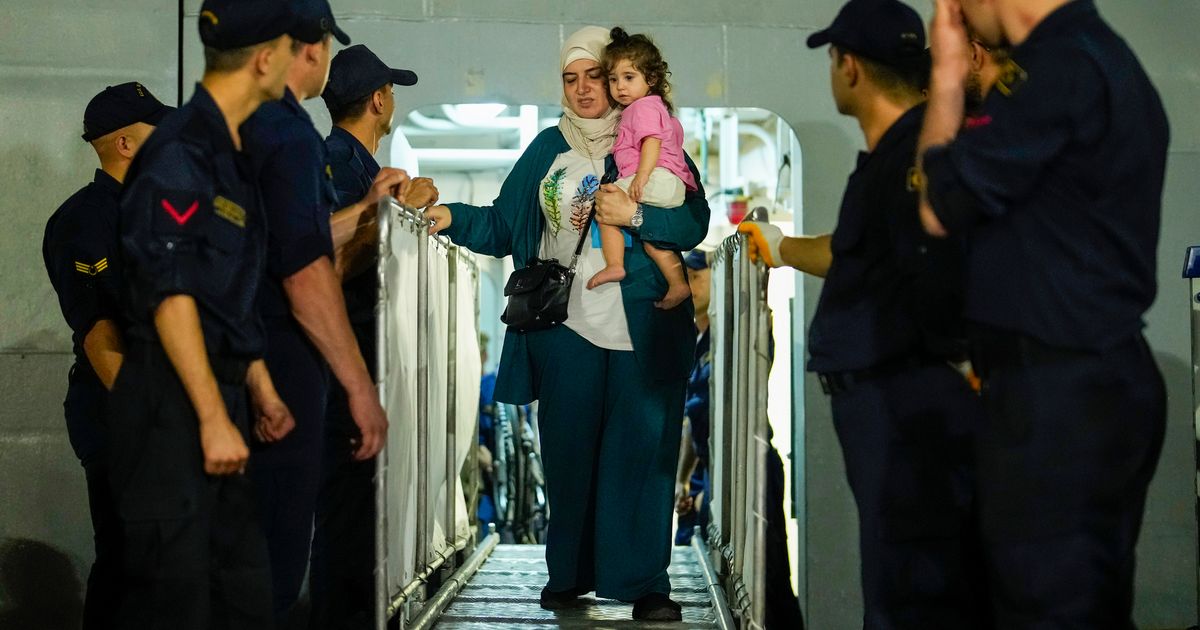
[230, 24]
[355, 72]
[887, 31]
[696, 260]
[119, 106]
[314, 20]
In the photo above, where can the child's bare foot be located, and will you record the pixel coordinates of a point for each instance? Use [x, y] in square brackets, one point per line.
[675, 296]
[610, 273]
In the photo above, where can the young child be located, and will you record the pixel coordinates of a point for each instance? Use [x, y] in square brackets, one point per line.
[648, 152]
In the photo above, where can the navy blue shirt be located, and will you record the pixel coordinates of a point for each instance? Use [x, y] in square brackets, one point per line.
[891, 290]
[192, 224]
[80, 249]
[487, 419]
[1059, 186]
[293, 173]
[354, 170]
[696, 407]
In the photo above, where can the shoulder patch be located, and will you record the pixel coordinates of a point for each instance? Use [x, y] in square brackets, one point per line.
[1012, 77]
[178, 212]
[976, 122]
[92, 269]
[916, 180]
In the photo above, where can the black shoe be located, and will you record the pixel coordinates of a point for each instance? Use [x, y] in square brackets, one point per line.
[562, 599]
[656, 607]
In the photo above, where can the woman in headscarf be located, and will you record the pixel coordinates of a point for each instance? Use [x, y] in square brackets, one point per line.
[610, 380]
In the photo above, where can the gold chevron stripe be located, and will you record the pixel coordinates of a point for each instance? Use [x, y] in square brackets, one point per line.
[93, 269]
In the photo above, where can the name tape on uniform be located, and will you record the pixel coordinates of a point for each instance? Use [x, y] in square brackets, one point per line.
[230, 211]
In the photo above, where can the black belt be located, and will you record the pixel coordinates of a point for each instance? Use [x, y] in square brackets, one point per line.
[994, 348]
[841, 382]
[229, 370]
[226, 369]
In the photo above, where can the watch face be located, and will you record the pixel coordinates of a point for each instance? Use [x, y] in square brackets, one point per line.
[636, 221]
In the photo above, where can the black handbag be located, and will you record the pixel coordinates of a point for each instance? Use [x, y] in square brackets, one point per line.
[538, 293]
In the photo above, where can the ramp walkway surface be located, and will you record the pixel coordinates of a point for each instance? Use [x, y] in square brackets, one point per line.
[504, 594]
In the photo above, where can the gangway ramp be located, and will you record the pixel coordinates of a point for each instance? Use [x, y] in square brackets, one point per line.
[504, 593]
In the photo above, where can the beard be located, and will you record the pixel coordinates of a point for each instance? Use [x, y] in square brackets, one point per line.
[973, 91]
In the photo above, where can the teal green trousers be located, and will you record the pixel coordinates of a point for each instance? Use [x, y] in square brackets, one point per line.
[610, 441]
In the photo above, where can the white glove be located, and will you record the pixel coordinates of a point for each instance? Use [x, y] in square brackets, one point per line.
[763, 240]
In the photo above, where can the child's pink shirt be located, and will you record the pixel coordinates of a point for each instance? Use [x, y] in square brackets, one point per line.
[644, 118]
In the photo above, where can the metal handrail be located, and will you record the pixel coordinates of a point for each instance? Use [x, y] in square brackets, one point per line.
[455, 584]
[741, 338]
[392, 216]
[712, 584]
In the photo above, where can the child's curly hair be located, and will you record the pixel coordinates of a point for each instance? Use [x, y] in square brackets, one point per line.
[640, 51]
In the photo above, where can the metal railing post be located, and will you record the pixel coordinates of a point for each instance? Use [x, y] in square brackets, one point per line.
[761, 366]
[424, 315]
[384, 218]
[727, 427]
[742, 385]
[452, 405]
[1191, 272]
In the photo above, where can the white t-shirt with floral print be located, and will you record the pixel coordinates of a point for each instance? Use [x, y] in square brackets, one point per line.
[567, 194]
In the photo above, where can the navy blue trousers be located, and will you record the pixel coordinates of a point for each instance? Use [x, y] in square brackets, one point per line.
[84, 408]
[342, 578]
[907, 443]
[1066, 454]
[104, 580]
[194, 557]
[287, 474]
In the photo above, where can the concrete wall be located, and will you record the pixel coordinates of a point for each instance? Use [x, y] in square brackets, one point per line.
[56, 53]
[54, 56]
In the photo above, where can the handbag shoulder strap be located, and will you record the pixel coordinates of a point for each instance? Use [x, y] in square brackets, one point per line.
[587, 227]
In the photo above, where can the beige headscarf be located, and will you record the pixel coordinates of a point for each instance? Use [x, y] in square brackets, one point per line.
[591, 137]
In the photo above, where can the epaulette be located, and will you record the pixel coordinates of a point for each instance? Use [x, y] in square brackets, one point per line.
[339, 151]
[194, 130]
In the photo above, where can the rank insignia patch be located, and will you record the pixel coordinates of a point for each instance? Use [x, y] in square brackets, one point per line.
[915, 181]
[92, 269]
[230, 211]
[1012, 77]
[181, 217]
[179, 212]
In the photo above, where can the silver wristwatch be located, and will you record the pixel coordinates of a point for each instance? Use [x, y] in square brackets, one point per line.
[636, 220]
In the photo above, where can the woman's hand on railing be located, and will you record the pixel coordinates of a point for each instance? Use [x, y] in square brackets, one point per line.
[439, 218]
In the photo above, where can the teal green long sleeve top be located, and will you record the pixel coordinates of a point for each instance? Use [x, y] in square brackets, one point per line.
[664, 342]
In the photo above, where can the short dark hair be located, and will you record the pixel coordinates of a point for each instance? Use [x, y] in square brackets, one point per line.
[352, 110]
[227, 60]
[235, 59]
[896, 78]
